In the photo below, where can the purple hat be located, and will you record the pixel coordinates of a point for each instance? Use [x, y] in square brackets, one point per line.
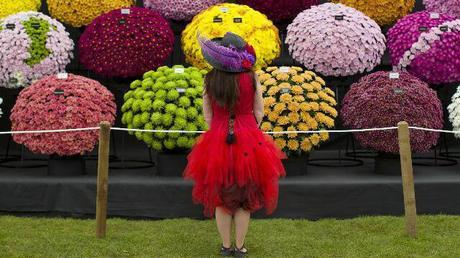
[230, 53]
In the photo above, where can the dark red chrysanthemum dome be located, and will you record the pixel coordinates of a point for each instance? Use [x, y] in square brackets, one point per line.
[378, 100]
[126, 42]
[279, 10]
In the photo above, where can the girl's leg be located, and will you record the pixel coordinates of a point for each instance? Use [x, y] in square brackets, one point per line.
[241, 226]
[224, 225]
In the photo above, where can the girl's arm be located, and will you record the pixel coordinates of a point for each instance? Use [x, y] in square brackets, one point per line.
[207, 109]
[258, 102]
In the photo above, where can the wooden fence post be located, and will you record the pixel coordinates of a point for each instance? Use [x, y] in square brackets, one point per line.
[407, 179]
[102, 179]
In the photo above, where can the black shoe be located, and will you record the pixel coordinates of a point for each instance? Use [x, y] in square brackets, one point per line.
[240, 252]
[226, 251]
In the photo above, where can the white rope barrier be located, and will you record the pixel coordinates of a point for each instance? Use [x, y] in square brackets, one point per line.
[200, 132]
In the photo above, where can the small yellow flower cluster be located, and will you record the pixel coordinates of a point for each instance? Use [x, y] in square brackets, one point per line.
[9, 7]
[214, 22]
[79, 13]
[384, 12]
[296, 100]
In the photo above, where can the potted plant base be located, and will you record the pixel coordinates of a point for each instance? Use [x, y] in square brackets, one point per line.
[296, 165]
[171, 164]
[387, 164]
[66, 165]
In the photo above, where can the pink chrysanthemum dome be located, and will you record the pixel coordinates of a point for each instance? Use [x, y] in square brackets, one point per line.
[181, 10]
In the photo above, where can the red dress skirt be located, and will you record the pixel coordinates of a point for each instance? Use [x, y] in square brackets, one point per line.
[239, 175]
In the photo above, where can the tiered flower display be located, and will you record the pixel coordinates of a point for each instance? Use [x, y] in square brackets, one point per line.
[279, 10]
[9, 7]
[181, 10]
[428, 46]
[242, 20]
[166, 99]
[79, 13]
[59, 103]
[451, 7]
[384, 12]
[335, 40]
[296, 100]
[32, 45]
[382, 100]
[454, 112]
[126, 42]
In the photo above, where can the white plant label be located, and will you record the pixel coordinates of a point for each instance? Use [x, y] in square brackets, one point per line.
[434, 16]
[180, 90]
[284, 69]
[179, 70]
[394, 75]
[62, 76]
[224, 9]
[125, 11]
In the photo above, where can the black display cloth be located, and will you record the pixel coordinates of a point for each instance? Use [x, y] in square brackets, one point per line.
[322, 193]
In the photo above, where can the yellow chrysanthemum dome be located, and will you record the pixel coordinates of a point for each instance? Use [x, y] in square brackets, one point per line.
[9, 7]
[297, 100]
[79, 13]
[384, 12]
[242, 20]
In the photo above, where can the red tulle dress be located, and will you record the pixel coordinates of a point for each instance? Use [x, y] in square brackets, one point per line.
[239, 175]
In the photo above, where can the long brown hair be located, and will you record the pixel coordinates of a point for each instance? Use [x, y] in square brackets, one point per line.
[223, 87]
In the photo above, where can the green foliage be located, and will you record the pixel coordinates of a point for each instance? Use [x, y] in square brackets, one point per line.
[37, 30]
[169, 98]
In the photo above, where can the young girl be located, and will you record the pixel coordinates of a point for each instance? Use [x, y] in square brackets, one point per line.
[234, 165]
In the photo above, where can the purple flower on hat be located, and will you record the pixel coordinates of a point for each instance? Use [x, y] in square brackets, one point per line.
[231, 54]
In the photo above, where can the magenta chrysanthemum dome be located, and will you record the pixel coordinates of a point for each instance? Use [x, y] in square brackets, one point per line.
[278, 10]
[379, 101]
[32, 45]
[181, 10]
[335, 40]
[428, 46]
[451, 7]
[52, 103]
[126, 42]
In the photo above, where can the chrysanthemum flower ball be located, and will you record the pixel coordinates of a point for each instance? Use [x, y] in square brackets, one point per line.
[169, 98]
[428, 46]
[335, 40]
[242, 20]
[454, 112]
[54, 103]
[126, 42]
[296, 100]
[451, 7]
[79, 13]
[32, 45]
[181, 10]
[278, 10]
[382, 100]
[8, 7]
[384, 12]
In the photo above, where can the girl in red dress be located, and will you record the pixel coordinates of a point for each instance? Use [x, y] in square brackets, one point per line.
[234, 165]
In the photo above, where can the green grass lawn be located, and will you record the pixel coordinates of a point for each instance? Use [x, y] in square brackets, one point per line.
[362, 237]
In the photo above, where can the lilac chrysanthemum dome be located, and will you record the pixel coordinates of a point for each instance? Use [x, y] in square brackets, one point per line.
[32, 45]
[335, 40]
[428, 46]
[181, 10]
[451, 7]
[378, 101]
